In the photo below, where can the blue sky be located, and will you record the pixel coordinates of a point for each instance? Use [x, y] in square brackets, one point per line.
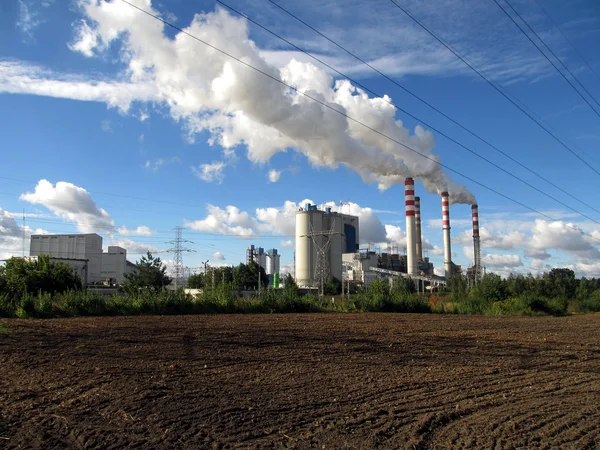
[137, 128]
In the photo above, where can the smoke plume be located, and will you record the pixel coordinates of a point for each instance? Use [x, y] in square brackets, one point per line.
[207, 90]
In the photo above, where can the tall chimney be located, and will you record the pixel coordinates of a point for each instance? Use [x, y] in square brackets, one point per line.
[419, 246]
[476, 245]
[409, 193]
[446, 234]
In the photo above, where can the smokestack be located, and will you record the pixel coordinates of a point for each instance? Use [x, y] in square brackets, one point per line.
[419, 246]
[476, 245]
[446, 234]
[409, 193]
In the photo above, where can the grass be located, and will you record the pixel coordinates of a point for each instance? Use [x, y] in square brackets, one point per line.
[4, 329]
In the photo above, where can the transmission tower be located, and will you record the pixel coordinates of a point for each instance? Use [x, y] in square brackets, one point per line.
[177, 250]
[322, 266]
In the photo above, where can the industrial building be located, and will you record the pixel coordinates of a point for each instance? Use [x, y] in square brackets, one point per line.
[321, 239]
[83, 252]
[115, 265]
[270, 261]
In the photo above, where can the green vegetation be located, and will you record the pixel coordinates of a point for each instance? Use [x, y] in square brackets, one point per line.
[45, 289]
[554, 293]
[4, 329]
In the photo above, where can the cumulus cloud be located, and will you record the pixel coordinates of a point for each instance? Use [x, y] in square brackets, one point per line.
[71, 203]
[210, 172]
[288, 244]
[134, 249]
[139, 231]
[493, 260]
[274, 175]
[229, 221]
[156, 164]
[218, 256]
[12, 234]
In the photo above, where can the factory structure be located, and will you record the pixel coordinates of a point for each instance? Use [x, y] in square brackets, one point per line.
[269, 260]
[322, 237]
[83, 253]
[327, 244]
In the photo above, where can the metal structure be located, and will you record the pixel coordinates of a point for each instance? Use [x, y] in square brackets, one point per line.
[411, 243]
[178, 250]
[446, 234]
[476, 243]
[419, 243]
[322, 266]
[433, 281]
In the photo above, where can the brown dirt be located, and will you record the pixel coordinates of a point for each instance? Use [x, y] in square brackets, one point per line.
[301, 381]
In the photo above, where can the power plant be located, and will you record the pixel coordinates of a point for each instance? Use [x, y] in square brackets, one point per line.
[269, 261]
[327, 243]
[321, 239]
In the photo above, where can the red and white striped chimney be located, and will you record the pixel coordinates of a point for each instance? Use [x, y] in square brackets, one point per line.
[476, 244]
[419, 244]
[409, 193]
[446, 234]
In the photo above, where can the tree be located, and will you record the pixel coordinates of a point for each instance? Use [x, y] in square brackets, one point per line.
[561, 283]
[196, 281]
[290, 288]
[150, 273]
[333, 286]
[20, 275]
[245, 276]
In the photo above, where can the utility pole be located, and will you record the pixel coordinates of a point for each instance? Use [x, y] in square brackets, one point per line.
[177, 251]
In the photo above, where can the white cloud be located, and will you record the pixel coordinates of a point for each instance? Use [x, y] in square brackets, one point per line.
[493, 260]
[210, 172]
[141, 138]
[22, 78]
[218, 256]
[106, 126]
[287, 244]
[86, 40]
[71, 203]
[139, 231]
[274, 175]
[12, 234]
[135, 249]
[229, 221]
[28, 20]
[156, 164]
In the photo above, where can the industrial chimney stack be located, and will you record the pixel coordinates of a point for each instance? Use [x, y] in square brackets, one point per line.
[476, 245]
[409, 193]
[419, 245]
[446, 232]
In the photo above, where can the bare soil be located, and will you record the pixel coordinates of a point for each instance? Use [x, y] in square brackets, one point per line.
[301, 381]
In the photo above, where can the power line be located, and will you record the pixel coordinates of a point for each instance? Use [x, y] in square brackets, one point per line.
[351, 118]
[567, 39]
[546, 56]
[437, 130]
[487, 80]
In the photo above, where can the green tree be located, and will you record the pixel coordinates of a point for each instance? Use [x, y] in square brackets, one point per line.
[196, 281]
[246, 276]
[561, 283]
[19, 276]
[290, 288]
[333, 286]
[150, 273]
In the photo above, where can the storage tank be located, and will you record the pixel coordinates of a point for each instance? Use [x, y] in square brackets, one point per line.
[305, 258]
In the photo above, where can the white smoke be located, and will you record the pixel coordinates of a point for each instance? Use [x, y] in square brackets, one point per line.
[239, 106]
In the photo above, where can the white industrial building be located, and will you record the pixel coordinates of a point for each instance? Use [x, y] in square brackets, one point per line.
[115, 265]
[269, 261]
[314, 228]
[357, 267]
[74, 249]
[83, 252]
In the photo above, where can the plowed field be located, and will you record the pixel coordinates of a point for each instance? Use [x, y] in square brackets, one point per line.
[301, 381]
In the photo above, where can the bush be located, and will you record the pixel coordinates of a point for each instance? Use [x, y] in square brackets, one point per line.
[591, 303]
